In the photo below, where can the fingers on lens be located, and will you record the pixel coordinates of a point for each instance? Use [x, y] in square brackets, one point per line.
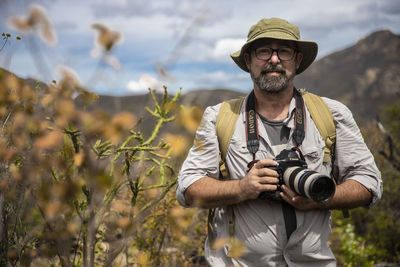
[269, 187]
[268, 180]
[267, 172]
[266, 163]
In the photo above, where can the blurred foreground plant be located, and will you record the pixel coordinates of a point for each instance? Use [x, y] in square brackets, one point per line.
[371, 235]
[351, 249]
[35, 23]
[79, 188]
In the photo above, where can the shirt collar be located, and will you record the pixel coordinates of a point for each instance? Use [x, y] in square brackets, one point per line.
[289, 121]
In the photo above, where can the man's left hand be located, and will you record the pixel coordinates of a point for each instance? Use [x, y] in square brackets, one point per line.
[299, 202]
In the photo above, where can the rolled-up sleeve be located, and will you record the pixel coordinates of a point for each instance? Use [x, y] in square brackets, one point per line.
[203, 158]
[353, 158]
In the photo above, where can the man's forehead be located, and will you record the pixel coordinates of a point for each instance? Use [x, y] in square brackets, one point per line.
[271, 42]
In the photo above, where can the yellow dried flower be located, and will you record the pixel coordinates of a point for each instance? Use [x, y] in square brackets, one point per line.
[120, 124]
[49, 140]
[189, 117]
[52, 209]
[236, 248]
[106, 38]
[73, 227]
[36, 20]
[69, 77]
[123, 222]
[78, 159]
[178, 144]
[219, 243]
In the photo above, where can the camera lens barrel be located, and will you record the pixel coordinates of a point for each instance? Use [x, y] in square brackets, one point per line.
[308, 183]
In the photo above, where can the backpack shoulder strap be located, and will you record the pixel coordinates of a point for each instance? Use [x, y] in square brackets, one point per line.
[225, 126]
[323, 119]
[325, 123]
[226, 122]
[319, 111]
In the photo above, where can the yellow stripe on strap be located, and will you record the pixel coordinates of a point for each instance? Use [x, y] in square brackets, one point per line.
[323, 119]
[226, 122]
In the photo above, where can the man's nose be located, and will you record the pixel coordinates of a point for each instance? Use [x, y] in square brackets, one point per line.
[274, 57]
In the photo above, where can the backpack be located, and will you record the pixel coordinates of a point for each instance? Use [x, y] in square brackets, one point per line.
[319, 111]
[226, 123]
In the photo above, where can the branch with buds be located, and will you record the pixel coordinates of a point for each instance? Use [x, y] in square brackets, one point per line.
[390, 151]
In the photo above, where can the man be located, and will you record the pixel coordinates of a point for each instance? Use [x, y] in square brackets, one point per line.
[292, 230]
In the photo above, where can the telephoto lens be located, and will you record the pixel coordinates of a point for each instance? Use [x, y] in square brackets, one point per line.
[293, 172]
[308, 183]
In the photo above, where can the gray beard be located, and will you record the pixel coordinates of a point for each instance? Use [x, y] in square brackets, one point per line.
[269, 84]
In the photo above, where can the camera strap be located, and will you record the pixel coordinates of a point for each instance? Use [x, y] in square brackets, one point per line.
[253, 144]
[299, 119]
[252, 137]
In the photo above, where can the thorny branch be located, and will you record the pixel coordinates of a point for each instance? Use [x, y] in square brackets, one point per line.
[392, 153]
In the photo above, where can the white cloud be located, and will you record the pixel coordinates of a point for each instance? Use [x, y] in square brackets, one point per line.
[222, 77]
[203, 52]
[192, 39]
[216, 77]
[224, 47]
[145, 82]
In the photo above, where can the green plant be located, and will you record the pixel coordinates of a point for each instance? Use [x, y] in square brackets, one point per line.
[77, 186]
[6, 37]
[352, 250]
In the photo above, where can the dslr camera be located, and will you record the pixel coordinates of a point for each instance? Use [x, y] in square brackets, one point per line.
[293, 172]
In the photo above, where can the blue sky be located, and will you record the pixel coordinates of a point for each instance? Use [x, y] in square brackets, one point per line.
[191, 39]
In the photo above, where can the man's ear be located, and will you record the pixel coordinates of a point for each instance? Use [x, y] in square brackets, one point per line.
[299, 58]
[247, 59]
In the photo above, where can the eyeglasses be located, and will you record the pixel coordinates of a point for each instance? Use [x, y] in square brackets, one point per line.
[284, 53]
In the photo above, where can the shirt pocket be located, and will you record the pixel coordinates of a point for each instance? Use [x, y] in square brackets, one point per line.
[240, 146]
[238, 156]
[314, 157]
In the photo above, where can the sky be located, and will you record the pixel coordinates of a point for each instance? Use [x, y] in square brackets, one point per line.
[190, 41]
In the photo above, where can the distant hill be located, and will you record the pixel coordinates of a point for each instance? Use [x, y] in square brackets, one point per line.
[136, 103]
[365, 76]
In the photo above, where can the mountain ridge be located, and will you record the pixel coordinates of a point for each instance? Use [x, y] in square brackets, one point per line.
[365, 77]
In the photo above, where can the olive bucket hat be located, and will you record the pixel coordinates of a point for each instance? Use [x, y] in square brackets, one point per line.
[279, 29]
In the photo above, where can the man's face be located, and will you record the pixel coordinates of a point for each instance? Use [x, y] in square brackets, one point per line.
[272, 64]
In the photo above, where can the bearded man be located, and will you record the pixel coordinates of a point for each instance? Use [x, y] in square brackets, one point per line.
[277, 224]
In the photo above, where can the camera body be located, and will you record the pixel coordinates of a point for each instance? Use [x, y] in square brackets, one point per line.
[294, 173]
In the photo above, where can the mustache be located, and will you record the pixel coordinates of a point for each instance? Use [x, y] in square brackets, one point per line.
[272, 68]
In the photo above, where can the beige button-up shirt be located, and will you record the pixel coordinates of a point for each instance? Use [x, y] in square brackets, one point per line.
[259, 224]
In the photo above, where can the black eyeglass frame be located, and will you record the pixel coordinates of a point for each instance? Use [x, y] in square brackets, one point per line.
[277, 50]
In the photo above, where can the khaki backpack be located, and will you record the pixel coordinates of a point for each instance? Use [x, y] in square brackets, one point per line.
[319, 111]
[226, 123]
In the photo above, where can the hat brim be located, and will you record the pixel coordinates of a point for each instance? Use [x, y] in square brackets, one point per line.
[309, 50]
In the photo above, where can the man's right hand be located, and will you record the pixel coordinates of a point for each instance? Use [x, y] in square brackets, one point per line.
[261, 177]
[209, 192]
